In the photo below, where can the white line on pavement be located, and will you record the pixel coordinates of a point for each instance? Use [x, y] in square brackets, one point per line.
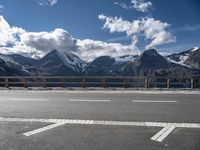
[87, 100]
[162, 134]
[44, 129]
[150, 101]
[27, 99]
[159, 137]
[165, 134]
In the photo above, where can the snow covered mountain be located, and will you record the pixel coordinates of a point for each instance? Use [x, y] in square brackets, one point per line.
[149, 63]
[190, 58]
[57, 63]
[9, 68]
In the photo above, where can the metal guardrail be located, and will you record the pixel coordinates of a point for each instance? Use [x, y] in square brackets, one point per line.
[105, 82]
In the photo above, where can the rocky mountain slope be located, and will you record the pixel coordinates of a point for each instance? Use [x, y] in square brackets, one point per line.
[149, 63]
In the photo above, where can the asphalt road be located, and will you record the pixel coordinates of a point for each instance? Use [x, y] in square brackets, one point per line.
[97, 121]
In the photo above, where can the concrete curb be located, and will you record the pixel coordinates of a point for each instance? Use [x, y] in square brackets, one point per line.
[106, 90]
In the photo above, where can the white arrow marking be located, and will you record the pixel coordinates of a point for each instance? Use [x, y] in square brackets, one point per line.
[159, 137]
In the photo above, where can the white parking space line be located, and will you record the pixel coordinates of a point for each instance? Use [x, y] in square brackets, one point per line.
[87, 100]
[165, 134]
[27, 99]
[43, 129]
[154, 101]
[162, 134]
[159, 137]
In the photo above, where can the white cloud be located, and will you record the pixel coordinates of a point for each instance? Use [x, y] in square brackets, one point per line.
[1, 6]
[90, 49]
[151, 29]
[37, 44]
[139, 5]
[123, 5]
[117, 39]
[46, 41]
[8, 34]
[192, 27]
[47, 2]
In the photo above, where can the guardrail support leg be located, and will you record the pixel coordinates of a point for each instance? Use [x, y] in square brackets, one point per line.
[168, 83]
[104, 83]
[83, 82]
[6, 83]
[44, 82]
[146, 83]
[125, 85]
[63, 82]
[24, 81]
[192, 83]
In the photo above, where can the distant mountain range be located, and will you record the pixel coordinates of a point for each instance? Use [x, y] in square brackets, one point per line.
[149, 63]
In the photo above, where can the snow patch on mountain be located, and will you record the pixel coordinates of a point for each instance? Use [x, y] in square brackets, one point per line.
[180, 62]
[195, 49]
[71, 60]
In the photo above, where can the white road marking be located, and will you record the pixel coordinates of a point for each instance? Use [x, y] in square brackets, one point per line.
[150, 101]
[159, 137]
[27, 99]
[87, 100]
[165, 134]
[162, 134]
[44, 129]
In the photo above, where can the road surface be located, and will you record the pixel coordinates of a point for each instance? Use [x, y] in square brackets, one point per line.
[59, 120]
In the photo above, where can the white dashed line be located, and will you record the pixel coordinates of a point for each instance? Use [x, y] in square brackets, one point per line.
[159, 137]
[27, 99]
[149, 101]
[87, 100]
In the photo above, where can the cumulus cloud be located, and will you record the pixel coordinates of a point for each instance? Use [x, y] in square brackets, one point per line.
[89, 49]
[47, 2]
[151, 29]
[9, 35]
[46, 41]
[139, 5]
[18, 40]
[37, 44]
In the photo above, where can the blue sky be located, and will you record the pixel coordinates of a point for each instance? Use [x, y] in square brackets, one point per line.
[80, 18]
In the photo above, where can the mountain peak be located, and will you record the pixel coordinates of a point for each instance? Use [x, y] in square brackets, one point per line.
[151, 52]
[104, 60]
[151, 58]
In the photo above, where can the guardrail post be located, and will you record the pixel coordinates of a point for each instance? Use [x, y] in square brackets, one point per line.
[44, 82]
[24, 82]
[168, 83]
[192, 83]
[83, 82]
[125, 85]
[6, 83]
[146, 82]
[104, 82]
[63, 82]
